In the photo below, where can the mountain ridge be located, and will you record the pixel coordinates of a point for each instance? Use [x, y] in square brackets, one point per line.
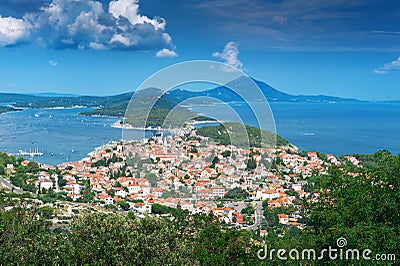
[175, 96]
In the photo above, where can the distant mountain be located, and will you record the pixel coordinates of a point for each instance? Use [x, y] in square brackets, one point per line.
[30, 101]
[115, 105]
[53, 94]
[242, 85]
[142, 98]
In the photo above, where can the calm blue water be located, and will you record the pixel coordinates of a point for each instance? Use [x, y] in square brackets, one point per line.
[60, 133]
[63, 135]
[338, 128]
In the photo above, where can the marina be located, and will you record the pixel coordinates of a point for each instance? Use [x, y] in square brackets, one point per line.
[30, 153]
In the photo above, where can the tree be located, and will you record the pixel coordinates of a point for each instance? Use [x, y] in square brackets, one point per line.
[124, 205]
[360, 207]
[153, 178]
[251, 164]
[112, 239]
[214, 162]
[87, 194]
[2, 169]
[45, 212]
[248, 210]
[130, 216]
[61, 181]
[236, 193]
[226, 153]
[33, 167]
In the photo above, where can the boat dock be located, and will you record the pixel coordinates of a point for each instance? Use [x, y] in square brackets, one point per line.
[31, 153]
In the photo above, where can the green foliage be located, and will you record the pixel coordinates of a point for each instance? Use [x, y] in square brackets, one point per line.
[322, 156]
[161, 209]
[61, 181]
[130, 216]
[153, 178]
[248, 210]
[251, 164]
[101, 162]
[45, 212]
[226, 153]
[363, 209]
[7, 159]
[18, 180]
[372, 161]
[271, 216]
[87, 194]
[237, 193]
[33, 167]
[124, 205]
[241, 136]
[111, 239]
[214, 161]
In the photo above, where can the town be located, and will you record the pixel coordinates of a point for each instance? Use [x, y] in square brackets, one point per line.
[190, 172]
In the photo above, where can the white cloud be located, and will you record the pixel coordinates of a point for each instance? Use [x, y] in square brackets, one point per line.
[97, 46]
[86, 24]
[129, 9]
[53, 63]
[230, 55]
[13, 30]
[166, 53]
[392, 66]
[118, 38]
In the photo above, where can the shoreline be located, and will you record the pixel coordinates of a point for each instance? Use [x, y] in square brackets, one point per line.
[121, 125]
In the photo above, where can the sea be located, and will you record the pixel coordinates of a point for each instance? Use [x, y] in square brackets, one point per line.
[338, 128]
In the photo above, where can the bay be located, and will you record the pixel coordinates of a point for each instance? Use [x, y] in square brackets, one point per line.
[61, 134]
[338, 128]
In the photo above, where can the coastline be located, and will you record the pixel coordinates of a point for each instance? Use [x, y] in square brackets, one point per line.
[121, 125]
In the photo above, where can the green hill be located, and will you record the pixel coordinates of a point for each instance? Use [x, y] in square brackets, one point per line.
[235, 133]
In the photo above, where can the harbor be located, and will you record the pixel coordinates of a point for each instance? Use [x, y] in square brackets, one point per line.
[30, 153]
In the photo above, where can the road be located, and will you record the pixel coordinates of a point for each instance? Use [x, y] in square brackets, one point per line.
[257, 216]
[10, 186]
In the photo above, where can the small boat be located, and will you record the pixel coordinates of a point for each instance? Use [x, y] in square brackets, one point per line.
[31, 153]
[36, 115]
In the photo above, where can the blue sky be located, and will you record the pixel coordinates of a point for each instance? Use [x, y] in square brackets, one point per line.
[102, 47]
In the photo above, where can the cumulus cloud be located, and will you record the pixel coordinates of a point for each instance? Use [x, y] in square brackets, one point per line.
[230, 55]
[129, 10]
[392, 66]
[166, 53]
[88, 24]
[13, 30]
